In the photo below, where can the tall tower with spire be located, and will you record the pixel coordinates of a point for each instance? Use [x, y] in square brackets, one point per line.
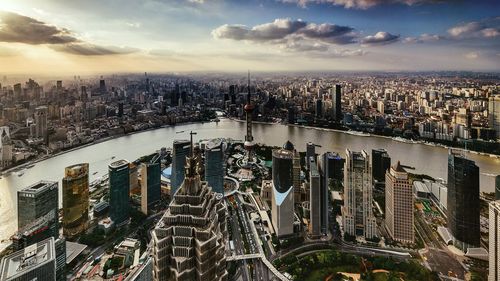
[189, 240]
[249, 144]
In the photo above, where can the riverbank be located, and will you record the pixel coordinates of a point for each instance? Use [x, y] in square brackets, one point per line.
[403, 140]
[101, 140]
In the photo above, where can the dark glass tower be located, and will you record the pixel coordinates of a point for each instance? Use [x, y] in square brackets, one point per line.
[333, 166]
[381, 162]
[180, 152]
[463, 201]
[497, 187]
[119, 186]
[282, 170]
[36, 201]
[214, 165]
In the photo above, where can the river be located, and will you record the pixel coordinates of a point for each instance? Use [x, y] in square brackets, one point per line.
[426, 159]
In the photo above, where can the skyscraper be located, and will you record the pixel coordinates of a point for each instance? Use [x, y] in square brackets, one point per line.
[179, 153]
[150, 185]
[75, 185]
[337, 104]
[357, 211]
[41, 122]
[399, 205]
[38, 200]
[214, 165]
[315, 202]
[249, 144]
[35, 262]
[310, 152]
[37, 212]
[494, 241]
[189, 240]
[333, 167]
[282, 213]
[295, 171]
[497, 187]
[463, 202]
[119, 188]
[494, 114]
[381, 162]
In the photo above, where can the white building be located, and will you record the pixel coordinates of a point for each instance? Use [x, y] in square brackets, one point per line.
[494, 239]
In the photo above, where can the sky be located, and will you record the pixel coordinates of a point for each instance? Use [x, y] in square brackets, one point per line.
[81, 37]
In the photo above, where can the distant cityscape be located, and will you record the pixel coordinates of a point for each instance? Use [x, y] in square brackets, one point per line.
[237, 209]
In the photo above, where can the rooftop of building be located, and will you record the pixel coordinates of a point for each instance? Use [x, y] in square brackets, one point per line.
[282, 153]
[332, 155]
[28, 258]
[213, 144]
[39, 187]
[119, 164]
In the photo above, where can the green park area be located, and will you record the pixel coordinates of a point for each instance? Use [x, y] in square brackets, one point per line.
[328, 264]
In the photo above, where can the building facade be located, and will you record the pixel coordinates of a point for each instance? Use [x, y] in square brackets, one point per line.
[494, 241]
[282, 210]
[463, 202]
[381, 162]
[315, 203]
[494, 114]
[214, 165]
[357, 210]
[179, 153]
[150, 185]
[119, 192]
[75, 185]
[399, 205]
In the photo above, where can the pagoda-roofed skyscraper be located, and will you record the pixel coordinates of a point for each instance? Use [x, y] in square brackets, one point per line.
[189, 240]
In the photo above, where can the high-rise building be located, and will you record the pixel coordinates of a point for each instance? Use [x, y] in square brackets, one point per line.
[6, 147]
[315, 199]
[319, 108]
[282, 211]
[463, 202]
[337, 104]
[214, 165]
[75, 193]
[37, 211]
[497, 187]
[295, 171]
[494, 114]
[399, 205]
[357, 211]
[35, 262]
[119, 192]
[333, 167]
[36, 201]
[41, 122]
[249, 107]
[179, 153]
[494, 241]
[310, 152]
[189, 240]
[150, 185]
[102, 86]
[381, 162]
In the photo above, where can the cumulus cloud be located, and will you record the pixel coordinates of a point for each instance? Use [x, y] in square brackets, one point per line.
[22, 29]
[283, 30]
[488, 28]
[360, 4]
[380, 38]
[15, 28]
[424, 38]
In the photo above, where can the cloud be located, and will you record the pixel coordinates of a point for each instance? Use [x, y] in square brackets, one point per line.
[85, 49]
[488, 28]
[472, 55]
[22, 29]
[380, 38]
[424, 38]
[360, 4]
[15, 28]
[282, 30]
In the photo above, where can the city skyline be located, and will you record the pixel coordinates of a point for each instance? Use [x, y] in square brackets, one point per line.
[288, 35]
